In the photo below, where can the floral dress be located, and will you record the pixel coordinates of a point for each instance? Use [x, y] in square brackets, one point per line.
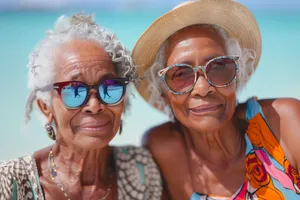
[138, 177]
[269, 174]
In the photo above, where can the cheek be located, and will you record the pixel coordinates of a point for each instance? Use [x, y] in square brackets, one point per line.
[229, 94]
[177, 103]
[62, 115]
[117, 112]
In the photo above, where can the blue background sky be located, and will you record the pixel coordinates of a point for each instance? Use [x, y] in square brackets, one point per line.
[277, 74]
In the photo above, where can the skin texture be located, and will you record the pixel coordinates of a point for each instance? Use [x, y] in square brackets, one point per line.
[81, 152]
[205, 150]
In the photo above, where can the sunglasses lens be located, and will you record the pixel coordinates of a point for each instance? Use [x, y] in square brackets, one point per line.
[221, 71]
[74, 94]
[111, 91]
[180, 78]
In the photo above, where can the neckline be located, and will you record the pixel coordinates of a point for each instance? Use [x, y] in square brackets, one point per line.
[36, 177]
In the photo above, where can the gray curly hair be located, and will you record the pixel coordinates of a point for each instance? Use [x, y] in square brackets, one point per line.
[79, 26]
[232, 46]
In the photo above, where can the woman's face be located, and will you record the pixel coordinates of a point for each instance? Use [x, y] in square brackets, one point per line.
[205, 108]
[93, 125]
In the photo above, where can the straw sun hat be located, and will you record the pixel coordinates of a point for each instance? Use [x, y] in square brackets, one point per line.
[232, 16]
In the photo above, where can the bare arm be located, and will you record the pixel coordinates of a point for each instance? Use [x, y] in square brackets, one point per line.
[289, 114]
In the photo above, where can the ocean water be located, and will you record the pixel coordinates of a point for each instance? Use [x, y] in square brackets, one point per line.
[278, 73]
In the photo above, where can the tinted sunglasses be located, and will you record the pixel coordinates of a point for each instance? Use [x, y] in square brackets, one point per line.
[75, 94]
[219, 72]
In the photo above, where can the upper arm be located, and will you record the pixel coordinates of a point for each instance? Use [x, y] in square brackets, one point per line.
[150, 135]
[163, 141]
[289, 113]
[283, 116]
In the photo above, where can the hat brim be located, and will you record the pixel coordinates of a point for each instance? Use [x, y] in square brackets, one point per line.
[233, 17]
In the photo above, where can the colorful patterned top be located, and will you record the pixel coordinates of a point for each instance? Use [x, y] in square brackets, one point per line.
[138, 177]
[269, 174]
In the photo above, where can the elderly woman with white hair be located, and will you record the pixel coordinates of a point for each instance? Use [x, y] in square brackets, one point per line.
[193, 61]
[78, 76]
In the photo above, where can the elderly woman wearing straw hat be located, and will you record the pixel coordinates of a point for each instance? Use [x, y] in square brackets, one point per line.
[78, 76]
[193, 61]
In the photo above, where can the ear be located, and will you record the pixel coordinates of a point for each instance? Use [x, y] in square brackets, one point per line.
[46, 110]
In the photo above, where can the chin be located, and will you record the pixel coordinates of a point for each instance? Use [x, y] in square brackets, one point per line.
[93, 140]
[91, 143]
[206, 124]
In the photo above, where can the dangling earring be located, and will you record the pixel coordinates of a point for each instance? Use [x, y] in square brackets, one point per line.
[121, 127]
[50, 131]
[236, 102]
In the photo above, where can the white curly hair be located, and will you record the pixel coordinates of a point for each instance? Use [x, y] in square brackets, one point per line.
[79, 26]
[232, 46]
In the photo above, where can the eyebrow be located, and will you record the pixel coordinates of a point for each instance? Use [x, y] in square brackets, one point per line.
[75, 76]
[108, 75]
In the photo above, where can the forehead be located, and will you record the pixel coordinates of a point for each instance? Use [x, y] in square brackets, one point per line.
[207, 34]
[77, 55]
[80, 50]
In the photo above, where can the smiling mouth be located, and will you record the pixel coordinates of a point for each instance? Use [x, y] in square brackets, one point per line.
[94, 127]
[205, 109]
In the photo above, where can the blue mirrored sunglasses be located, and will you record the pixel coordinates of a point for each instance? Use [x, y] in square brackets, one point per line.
[75, 94]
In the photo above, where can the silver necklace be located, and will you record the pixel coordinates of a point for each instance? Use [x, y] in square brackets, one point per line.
[54, 177]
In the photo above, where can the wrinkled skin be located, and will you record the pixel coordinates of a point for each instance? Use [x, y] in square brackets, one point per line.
[205, 151]
[81, 152]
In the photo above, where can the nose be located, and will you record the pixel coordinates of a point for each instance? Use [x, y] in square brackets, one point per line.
[202, 87]
[93, 105]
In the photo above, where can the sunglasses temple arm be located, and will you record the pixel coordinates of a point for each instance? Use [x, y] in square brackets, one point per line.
[236, 58]
[47, 88]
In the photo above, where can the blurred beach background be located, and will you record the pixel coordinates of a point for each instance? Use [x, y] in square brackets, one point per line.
[24, 22]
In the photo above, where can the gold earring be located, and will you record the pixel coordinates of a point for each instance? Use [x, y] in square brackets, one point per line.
[50, 131]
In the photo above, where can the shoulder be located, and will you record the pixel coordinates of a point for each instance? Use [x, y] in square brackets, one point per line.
[161, 140]
[132, 153]
[279, 105]
[12, 174]
[16, 168]
[283, 115]
[275, 110]
[131, 156]
[283, 106]
[159, 132]
[138, 174]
